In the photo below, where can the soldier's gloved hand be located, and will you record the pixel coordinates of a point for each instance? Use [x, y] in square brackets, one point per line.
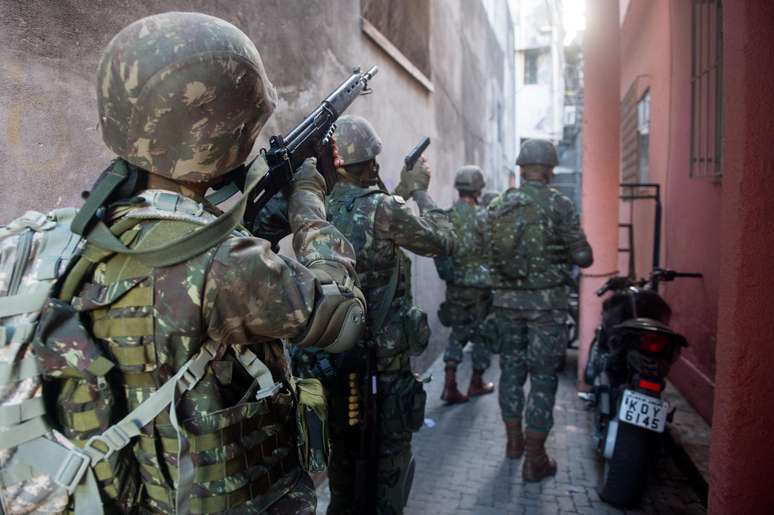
[415, 179]
[307, 178]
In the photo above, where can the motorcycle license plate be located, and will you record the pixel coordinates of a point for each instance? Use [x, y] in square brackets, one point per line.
[643, 411]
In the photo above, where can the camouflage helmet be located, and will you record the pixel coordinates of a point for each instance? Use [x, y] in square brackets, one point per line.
[356, 140]
[470, 179]
[537, 152]
[182, 95]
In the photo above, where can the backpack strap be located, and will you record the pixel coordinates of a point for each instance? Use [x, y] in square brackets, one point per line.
[384, 307]
[176, 251]
[69, 467]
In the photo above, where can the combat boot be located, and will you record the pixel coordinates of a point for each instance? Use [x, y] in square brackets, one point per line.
[451, 393]
[537, 465]
[478, 386]
[514, 448]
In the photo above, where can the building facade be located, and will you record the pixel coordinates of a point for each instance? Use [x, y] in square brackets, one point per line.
[678, 96]
[549, 86]
[445, 71]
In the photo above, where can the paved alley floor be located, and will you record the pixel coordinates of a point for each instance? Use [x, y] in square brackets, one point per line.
[461, 468]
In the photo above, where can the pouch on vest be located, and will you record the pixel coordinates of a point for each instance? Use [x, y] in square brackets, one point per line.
[403, 405]
[312, 423]
[455, 314]
[445, 267]
[417, 330]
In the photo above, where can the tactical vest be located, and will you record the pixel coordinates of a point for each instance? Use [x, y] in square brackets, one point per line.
[468, 264]
[522, 236]
[352, 209]
[235, 451]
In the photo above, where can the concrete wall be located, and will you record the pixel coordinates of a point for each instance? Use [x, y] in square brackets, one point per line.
[656, 52]
[50, 147]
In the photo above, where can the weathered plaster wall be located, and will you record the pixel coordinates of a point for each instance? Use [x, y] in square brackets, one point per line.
[50, 148]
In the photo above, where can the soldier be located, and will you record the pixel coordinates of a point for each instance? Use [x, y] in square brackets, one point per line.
[468, 295]
[378, 225]
[182, 97]
[535, 236]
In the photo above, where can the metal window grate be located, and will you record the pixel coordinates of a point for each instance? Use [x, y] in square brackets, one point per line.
[706, 88]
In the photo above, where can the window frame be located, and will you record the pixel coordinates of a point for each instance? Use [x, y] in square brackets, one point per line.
[706, 145]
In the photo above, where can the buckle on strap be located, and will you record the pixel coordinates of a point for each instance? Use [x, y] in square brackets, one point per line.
[196, 369]
[71, 471]
[114, 438]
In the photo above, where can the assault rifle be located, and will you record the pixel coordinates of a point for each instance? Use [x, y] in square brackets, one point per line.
[416, 153]
[310, 138]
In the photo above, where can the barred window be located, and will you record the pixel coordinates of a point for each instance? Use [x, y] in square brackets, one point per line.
[706, 88]
[635, 114]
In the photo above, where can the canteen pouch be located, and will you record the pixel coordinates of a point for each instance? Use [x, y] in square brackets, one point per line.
[417, 330]
[312, 424]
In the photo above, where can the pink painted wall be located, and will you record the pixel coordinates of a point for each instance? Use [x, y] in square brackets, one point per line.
[656, 51]
[600, 161]
[742, 453]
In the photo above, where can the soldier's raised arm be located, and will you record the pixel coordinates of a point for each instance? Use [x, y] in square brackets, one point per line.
[254, 293]
[429, 234]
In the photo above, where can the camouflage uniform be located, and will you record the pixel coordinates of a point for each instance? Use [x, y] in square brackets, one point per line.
[535, 237]
[379, 225]
[468, 296]
[235, 448]
[528, 316]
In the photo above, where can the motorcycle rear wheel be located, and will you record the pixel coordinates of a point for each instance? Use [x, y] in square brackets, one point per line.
[626, 473]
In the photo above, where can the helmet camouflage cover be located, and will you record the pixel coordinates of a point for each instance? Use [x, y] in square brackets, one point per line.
[182, 95]
[537, 152]
[469, 178]
[356, 140]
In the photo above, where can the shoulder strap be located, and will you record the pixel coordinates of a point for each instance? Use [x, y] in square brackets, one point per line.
[384, 307]
[73, 465]
[178, 250]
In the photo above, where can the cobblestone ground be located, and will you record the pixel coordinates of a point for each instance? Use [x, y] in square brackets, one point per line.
[461, 468]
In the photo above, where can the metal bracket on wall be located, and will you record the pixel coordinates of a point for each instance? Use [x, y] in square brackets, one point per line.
[633, 191]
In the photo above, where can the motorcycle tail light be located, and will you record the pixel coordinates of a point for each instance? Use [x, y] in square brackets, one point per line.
[653, 343]
[651, 386]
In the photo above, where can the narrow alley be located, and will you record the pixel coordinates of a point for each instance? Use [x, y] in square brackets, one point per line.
[461, 468]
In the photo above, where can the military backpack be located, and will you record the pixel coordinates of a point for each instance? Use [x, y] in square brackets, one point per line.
[520, 237]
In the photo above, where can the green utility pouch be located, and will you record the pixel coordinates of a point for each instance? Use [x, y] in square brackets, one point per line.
[455, 314]
[66, 350]
[312, 423]
[445, 267]
[417, 330]
[403, 405]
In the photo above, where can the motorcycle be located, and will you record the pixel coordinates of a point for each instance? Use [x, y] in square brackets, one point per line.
[629, 360]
